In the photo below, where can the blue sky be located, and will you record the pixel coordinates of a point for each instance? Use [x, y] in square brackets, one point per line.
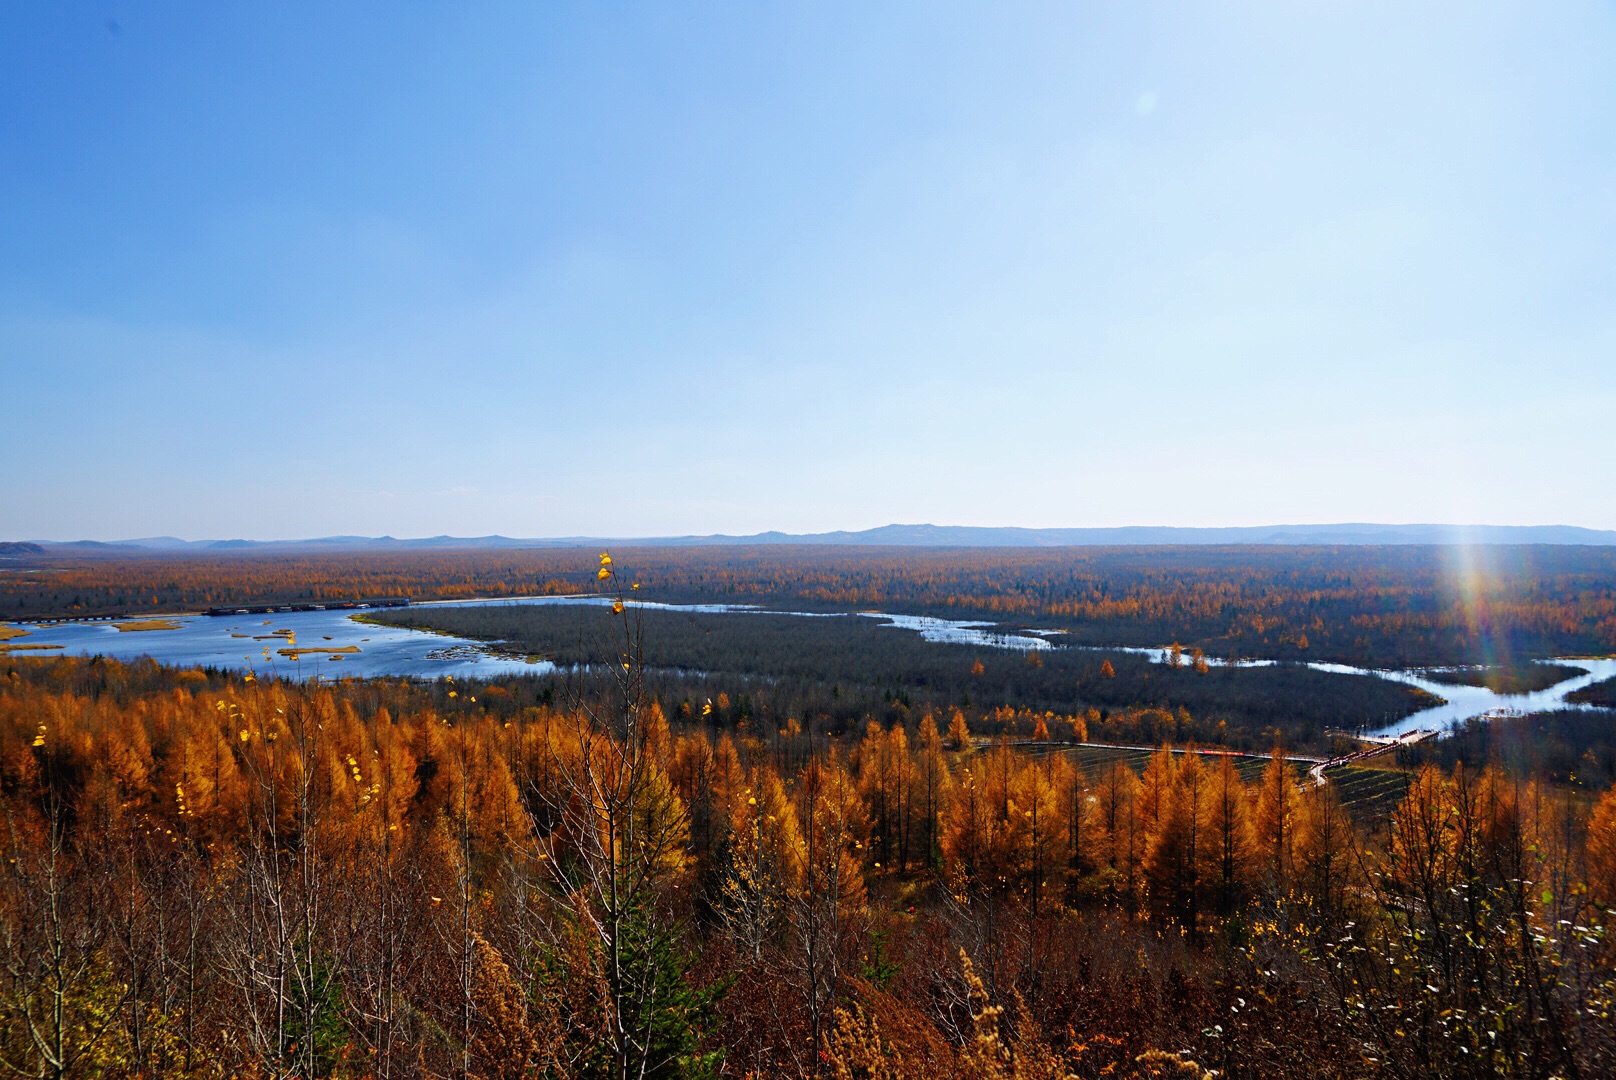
[551, 269]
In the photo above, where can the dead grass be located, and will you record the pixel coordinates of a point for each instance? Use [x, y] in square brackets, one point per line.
[5, 649]
[9, 632]
[138, 625]
[299, 653]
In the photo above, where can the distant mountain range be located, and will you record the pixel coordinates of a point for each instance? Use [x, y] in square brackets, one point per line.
[886, 535]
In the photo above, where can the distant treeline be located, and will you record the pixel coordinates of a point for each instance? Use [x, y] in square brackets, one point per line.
[1567, 746]
[1514, 679]
[1395, 606]
[844, 668]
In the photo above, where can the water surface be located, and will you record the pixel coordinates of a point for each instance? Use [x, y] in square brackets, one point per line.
[238, 642]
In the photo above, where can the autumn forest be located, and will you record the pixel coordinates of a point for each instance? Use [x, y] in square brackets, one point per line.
[643, 541]
[1371, 605]
[711, 847]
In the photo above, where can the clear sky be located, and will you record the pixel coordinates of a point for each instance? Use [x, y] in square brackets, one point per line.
[283, 270]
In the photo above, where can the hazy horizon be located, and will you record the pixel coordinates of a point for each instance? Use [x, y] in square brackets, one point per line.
[1462, 533]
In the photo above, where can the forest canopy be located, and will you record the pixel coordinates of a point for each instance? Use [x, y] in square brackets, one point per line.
[211, 875]
[749, 845]
[1389, 606]
[846, 667]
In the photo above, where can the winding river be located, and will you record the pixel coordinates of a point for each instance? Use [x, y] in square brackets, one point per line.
[334, 645]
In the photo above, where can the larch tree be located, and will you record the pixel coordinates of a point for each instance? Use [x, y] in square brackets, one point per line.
[878, 780]
[1155, 791]
[1422, 845]
[1118, 834]
[827, 904]
[692, 770]
[1229, 837]
[764, 864]
[966, 830]
[1329, 860]
[1077, 811]
[1177, 856]
[932, 785]
[1278, 817]
[1600, 850]
[622, 835]
[1036, 796]
[901, 797]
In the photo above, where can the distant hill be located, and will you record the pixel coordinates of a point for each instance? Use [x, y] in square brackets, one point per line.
[1152, 535]
[965, 536]
[14, 549]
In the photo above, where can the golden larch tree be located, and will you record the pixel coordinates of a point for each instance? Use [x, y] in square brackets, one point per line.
[1277, 821]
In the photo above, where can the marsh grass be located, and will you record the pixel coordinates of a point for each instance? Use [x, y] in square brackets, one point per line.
[300, 652]
[845, 667]
[138, 625]
[1600, 693]
[1515, 679]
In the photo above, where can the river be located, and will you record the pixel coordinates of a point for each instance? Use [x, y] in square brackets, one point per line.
[240, 642]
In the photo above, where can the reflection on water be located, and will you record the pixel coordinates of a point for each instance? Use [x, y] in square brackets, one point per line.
[1460, 702]
[955, 632]
[1465, 702]
[231, 642]
[237, 642]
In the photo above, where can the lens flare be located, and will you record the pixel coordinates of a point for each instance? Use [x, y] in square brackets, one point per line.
[1472, 582]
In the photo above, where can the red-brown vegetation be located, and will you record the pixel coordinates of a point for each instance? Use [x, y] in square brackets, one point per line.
[215, 876]
[1396, 605]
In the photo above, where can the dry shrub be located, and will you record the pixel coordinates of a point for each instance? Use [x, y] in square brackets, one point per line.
[860, 1047]
[501, 1041]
